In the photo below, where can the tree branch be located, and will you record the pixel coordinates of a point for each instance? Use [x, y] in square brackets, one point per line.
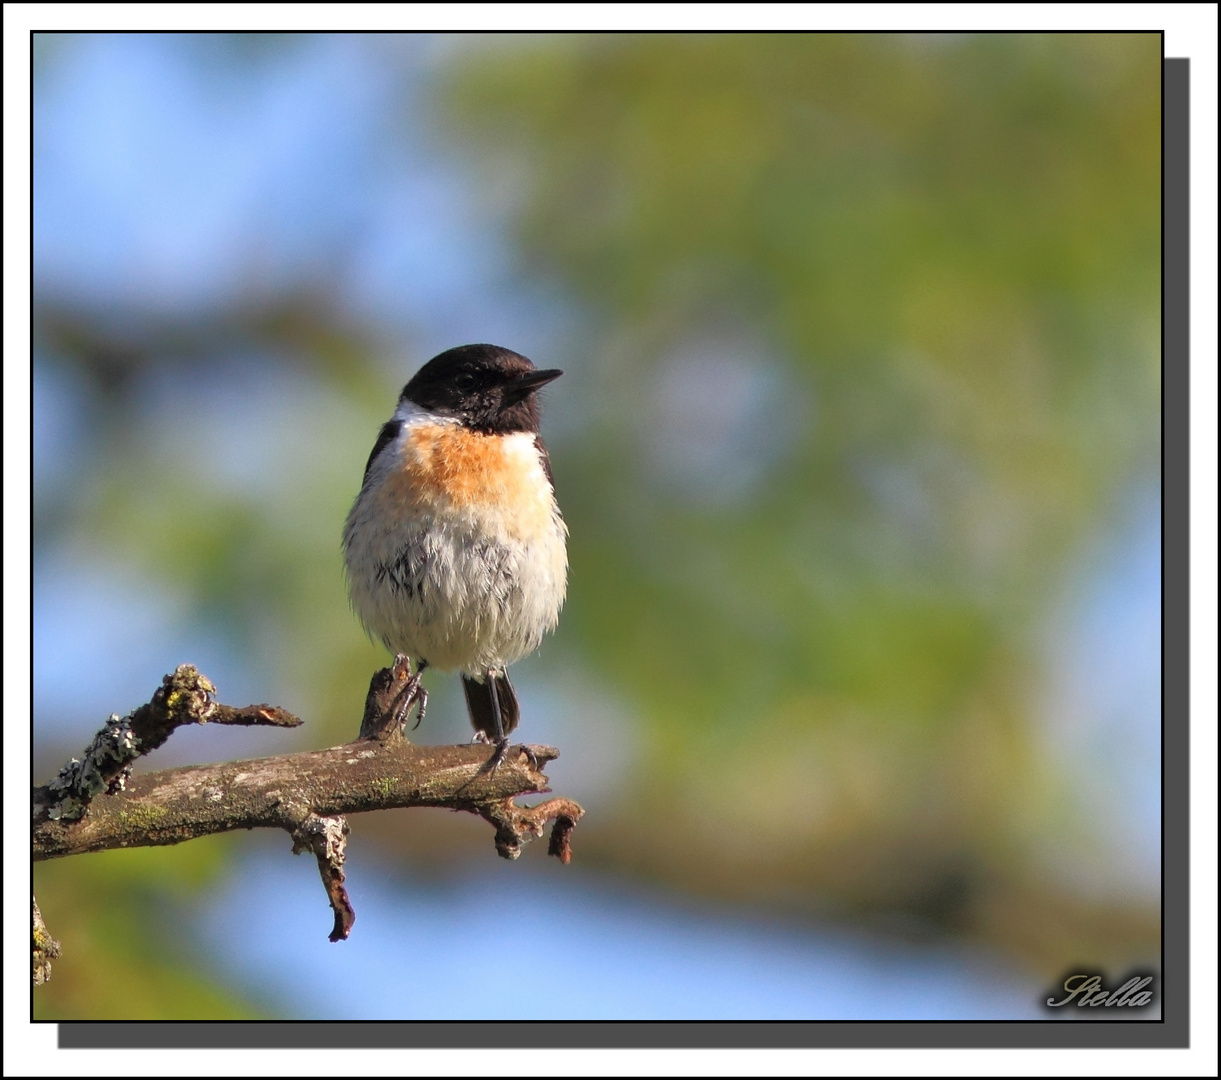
[95, 805]
[180, 804]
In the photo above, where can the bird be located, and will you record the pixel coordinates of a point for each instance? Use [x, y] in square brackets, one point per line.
[455, 549]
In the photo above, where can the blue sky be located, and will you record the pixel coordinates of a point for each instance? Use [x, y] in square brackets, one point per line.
[575, 945]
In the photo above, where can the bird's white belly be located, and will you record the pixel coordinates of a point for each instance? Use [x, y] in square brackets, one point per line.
[452, 596]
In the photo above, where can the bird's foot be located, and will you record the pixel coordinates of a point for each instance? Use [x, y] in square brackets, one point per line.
[413, 692]
[498, 756]
[421, 696]
[503, 746]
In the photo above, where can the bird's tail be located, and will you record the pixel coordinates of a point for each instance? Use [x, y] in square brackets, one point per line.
[482, 711]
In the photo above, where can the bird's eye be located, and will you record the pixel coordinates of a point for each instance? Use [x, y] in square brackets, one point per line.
[464, 381]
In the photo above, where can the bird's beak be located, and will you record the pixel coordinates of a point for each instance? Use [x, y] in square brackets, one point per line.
[521, 386]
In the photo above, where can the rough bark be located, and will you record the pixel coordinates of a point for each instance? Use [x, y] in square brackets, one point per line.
[95, 804]
[180, 804]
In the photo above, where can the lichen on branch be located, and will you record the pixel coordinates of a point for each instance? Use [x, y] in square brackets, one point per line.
[184, 697]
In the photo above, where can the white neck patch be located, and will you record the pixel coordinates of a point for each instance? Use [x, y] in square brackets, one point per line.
[411, 414]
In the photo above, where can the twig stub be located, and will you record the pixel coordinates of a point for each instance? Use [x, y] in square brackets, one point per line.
[517, 825]
[327, 838]
[392, 692]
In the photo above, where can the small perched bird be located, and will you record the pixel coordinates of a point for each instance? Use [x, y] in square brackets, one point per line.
[455, 547]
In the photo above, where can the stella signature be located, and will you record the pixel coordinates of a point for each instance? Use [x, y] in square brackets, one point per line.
[1090, 991]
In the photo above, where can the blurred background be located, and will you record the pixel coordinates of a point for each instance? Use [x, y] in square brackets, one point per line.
[858, 443]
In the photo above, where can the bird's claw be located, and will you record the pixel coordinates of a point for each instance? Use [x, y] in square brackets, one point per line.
[503, 746]
[422, 696]
[413, 691]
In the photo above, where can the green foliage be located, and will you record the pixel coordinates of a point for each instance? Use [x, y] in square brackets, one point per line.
[113, 914]
[947, 253]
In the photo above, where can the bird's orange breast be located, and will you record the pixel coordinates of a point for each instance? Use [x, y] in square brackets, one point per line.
[449, 466]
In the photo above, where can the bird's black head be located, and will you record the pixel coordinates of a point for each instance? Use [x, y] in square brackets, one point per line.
[488, 388]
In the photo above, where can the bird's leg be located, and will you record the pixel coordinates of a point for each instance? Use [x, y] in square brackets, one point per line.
[502, 740]
[412, 692]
